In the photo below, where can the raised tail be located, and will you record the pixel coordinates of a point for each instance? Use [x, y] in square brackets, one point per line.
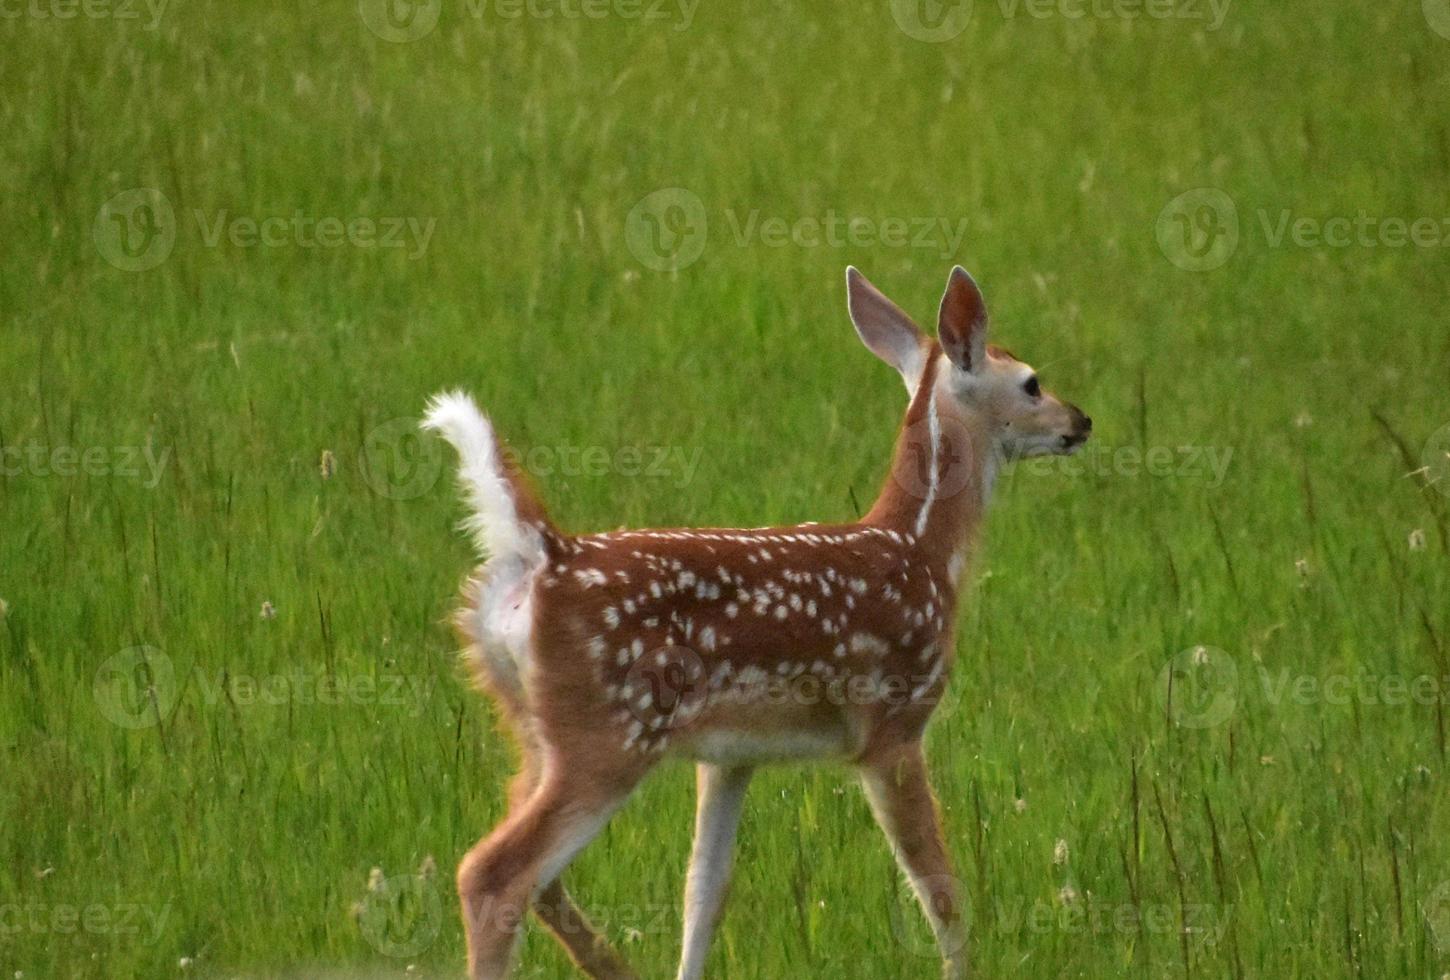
[506, 519]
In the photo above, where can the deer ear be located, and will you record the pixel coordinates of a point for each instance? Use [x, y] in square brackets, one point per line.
[884, 329]
[962, 323]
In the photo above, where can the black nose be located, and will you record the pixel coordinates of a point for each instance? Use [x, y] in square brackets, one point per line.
[1087, 423]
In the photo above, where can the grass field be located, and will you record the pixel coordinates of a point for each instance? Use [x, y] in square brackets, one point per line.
[245, 242]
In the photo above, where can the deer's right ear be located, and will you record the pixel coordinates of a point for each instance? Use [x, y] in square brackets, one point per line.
[884, 329]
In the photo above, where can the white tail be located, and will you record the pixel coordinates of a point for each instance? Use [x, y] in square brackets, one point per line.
[490, 492]
[735, 647]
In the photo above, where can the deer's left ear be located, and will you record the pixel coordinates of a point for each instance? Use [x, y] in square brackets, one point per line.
[962, 323]
[884, 329]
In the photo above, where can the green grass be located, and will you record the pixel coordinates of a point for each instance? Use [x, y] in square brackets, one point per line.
[1306, 834]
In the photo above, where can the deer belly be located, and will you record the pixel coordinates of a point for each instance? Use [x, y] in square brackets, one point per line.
[756, 734]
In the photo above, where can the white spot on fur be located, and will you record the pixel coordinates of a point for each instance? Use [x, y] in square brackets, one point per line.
[868, 644]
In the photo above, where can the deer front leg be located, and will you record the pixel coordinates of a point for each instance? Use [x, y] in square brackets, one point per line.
[720, 792]
[900, 795]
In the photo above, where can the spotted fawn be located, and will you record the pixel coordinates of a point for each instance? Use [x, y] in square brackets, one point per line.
[735, 647]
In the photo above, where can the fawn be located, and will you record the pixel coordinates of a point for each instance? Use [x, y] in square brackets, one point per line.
[735, 647]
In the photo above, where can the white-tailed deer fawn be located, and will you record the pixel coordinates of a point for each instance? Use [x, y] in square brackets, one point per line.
[608, 652]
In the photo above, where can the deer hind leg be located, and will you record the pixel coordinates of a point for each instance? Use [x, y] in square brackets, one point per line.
[720, 793]
[554, 906]
[900, 795]
[499, 877]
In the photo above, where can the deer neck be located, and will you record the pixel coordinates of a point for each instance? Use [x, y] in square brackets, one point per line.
[942, 471]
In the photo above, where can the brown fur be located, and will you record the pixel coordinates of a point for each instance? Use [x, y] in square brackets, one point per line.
[643, 644]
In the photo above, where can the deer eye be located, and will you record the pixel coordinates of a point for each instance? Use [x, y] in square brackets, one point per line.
[1032, 388]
